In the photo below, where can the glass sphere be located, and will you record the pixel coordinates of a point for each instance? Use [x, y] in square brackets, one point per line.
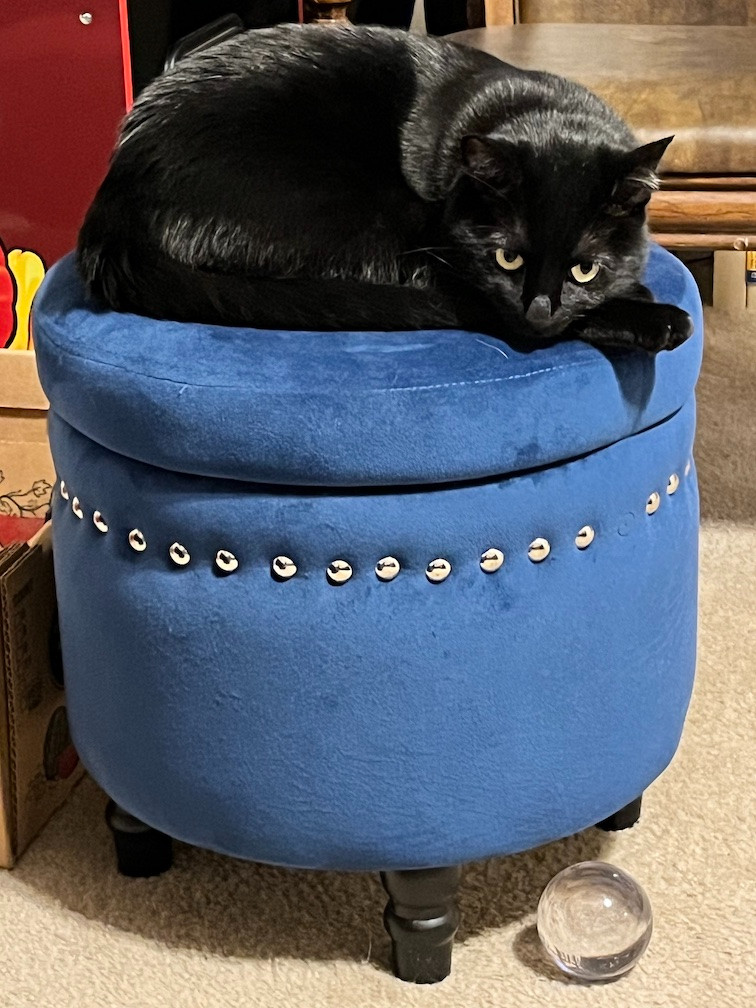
[594, 921]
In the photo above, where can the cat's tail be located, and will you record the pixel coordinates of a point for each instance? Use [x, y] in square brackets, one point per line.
[172, 290]
[123, 267]
[123, 270]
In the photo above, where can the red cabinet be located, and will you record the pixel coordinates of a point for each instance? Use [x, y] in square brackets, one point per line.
[65, 84]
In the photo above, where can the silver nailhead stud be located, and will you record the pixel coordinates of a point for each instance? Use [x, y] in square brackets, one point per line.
[491, 560]
[179, 554]
[283, 567]
[539, 549]
[652, 504]
[585, 537]
[76, 508]
[673, 483]
[387, 568]
[63, 490]
[137, 541]
[438, 570]
[99, 522]
[226, 561]
[339, 571]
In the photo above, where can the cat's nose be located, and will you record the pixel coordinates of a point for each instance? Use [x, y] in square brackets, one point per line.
[539, 312]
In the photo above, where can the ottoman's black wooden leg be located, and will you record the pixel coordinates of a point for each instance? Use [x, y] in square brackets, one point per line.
[624, 819]
[422, 919]
[141, 850]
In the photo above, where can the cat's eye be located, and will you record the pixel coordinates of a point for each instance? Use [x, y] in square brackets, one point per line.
[508, 260]
[584, 272]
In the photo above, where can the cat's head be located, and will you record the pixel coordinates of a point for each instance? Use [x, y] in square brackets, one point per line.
[549, 234]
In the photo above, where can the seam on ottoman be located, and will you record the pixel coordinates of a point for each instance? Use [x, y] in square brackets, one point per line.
[65, 351]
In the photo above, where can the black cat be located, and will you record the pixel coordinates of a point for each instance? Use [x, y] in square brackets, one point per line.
[365, 178]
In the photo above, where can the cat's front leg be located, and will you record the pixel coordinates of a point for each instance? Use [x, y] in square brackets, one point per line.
[635, 322]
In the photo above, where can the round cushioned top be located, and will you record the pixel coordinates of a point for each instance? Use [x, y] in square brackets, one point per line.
[347, 409]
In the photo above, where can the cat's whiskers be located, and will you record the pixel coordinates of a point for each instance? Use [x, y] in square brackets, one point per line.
[426, 248]
[484, 182]
[441, 259]
[432, 250]
[497, 349]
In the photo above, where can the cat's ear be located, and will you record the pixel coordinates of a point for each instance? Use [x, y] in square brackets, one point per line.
[638, 178]
[489, 161]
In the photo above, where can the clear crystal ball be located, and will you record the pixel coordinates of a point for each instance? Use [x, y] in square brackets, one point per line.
[594, 921]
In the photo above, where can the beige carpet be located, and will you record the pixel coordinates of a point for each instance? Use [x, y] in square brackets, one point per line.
[216, 932]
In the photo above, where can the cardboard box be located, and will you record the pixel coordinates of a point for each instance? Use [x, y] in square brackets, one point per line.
[38, 764]
[751, 280]
[27, 474]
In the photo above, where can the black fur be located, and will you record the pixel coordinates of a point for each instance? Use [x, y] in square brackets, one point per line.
[364, 178]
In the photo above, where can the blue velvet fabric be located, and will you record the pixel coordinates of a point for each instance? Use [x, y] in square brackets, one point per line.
[378, 725]
[282, 406]
[371, 725]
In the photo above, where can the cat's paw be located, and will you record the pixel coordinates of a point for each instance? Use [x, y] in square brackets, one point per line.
[665, 328]
[627, 323]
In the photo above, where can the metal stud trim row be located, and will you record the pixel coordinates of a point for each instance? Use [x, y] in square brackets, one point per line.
[340, 571]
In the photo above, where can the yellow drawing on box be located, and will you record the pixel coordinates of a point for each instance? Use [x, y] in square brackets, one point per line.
[28, 270]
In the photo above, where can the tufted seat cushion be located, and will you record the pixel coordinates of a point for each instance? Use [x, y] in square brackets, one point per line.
[347, 409]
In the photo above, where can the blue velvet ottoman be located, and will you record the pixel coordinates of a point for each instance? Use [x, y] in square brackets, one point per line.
[369, 601]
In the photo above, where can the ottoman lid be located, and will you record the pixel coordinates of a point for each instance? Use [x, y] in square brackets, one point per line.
[347, 409]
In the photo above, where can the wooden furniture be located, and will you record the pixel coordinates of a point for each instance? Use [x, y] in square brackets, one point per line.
[697, 82]
[326, 11]
[671, 12]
